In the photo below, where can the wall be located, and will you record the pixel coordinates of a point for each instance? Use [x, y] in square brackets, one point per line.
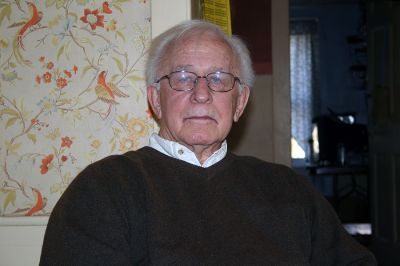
[21, 237]
[245, 137]
[72, 92]
[21, 241]
[267, 136]
[264, 131]
[337, 22]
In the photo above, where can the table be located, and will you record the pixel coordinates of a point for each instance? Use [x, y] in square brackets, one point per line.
[339, 172]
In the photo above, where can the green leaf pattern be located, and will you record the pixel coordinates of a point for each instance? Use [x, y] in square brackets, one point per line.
[54, 122]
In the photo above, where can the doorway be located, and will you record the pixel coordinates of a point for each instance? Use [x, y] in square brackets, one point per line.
[329, 104]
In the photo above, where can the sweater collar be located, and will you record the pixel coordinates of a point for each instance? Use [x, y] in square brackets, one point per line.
[180, 152]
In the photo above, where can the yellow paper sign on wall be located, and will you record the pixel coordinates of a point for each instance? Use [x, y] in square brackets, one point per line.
[219, 13]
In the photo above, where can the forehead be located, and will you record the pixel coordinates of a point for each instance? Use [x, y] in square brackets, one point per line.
[204, 51]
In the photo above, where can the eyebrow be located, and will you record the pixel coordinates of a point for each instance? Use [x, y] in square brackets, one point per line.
[183, 67]
[188, 68]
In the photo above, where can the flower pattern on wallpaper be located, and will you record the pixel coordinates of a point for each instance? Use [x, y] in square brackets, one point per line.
[72, 91]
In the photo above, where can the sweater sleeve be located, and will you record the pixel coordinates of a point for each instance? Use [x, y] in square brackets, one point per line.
[91, 223]
[331, 244]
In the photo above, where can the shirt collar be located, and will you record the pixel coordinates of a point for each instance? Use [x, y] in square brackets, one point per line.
[180, 152]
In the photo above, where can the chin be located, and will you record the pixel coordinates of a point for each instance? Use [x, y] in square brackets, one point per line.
[202, 139]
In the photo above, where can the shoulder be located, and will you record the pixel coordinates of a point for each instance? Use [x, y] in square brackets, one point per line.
[129, 158]
[113, 173]
[119, 164]
[254, 164]
[114, 181]
[273, 176]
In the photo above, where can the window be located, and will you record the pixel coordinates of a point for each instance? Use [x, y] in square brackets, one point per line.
[303, 84]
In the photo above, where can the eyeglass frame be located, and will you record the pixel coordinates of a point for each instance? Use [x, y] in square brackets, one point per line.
[235, 78]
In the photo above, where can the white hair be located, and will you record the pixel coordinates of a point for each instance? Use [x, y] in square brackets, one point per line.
[161, 45]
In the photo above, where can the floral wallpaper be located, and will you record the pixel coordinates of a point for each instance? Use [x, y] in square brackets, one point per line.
[72, 91]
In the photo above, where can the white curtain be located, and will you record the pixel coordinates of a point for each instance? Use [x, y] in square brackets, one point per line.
[303, 83]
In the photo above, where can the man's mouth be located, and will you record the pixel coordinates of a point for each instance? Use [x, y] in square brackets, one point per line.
[201, 119]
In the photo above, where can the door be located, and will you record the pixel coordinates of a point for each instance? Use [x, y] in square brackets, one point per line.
[384, 116]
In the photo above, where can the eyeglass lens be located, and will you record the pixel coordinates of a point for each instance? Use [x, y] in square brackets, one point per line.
[218, 81]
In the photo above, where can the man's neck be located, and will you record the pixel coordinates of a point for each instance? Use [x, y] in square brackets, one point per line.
[185, 153]
[203, 152]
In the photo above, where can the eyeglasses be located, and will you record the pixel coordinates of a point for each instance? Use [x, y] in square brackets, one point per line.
[185, 80]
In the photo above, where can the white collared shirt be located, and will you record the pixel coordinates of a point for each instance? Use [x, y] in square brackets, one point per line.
[180, 152]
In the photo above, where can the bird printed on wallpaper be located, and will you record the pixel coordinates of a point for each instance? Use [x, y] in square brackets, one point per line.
[40, 202]
[107, 92]
[10, 76]
[35, 17]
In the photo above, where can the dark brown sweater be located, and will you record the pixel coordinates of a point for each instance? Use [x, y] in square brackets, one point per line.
[145, 208]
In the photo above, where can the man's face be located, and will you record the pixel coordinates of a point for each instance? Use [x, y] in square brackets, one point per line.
[199, 117]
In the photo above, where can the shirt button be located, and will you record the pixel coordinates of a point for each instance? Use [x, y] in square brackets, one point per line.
[180, 151]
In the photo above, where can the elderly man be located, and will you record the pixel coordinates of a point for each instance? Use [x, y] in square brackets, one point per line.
[185, 199]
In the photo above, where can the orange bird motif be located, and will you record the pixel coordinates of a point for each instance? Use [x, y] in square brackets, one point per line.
[36, 16]
[107, 91]
[40, 202]
[34, 20]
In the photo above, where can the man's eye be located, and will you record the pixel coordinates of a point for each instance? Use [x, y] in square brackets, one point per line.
[215, 79]
[185, 79]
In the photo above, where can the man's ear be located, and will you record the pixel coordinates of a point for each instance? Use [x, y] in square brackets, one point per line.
[241, 103]
[153, 96]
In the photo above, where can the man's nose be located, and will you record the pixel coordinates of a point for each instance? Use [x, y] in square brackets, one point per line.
[201, 92]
